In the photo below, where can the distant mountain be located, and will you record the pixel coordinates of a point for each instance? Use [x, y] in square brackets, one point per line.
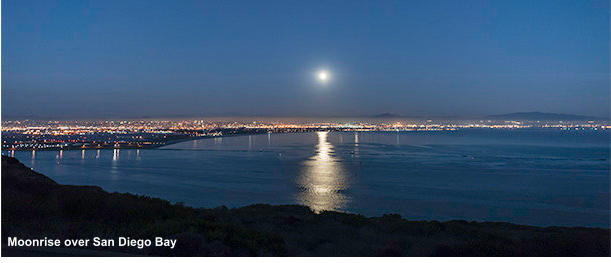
[540, 116]
[386, 115]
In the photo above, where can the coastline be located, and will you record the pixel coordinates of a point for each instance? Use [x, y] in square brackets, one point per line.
[129, 146]
[149, 145]
[179, 139]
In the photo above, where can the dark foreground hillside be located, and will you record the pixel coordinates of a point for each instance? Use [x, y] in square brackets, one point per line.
[34, 206]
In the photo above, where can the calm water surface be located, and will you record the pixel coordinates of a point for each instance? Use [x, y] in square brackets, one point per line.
[536, 177]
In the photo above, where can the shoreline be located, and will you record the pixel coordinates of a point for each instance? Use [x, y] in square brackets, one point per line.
[128, 147]
[191, 138]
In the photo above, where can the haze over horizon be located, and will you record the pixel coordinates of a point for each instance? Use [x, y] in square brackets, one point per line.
[213, 58]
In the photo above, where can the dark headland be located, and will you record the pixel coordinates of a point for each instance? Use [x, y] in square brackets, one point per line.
[34, 206]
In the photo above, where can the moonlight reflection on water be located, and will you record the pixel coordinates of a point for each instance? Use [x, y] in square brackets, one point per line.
[322, 179]
[535, 177]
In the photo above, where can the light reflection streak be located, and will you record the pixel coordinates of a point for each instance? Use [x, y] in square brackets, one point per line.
[356, 144]
[323, 179]
[114, 171]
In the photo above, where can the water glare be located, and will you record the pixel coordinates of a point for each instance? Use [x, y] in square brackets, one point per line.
[269, 139]
[323, 179]
[356, 145]
[33, 159]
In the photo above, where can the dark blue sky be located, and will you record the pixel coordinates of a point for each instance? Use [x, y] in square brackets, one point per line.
[134, 58]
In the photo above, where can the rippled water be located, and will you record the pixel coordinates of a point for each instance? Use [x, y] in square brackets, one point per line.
[532, 177]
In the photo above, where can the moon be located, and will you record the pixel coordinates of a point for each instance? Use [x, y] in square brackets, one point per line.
[323, 75]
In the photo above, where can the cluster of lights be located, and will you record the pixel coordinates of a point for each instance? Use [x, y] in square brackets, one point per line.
[31, 134]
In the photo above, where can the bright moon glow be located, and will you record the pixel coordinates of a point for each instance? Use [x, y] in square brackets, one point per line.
[323, 76]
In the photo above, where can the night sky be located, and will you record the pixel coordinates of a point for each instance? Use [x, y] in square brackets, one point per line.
[218, 58]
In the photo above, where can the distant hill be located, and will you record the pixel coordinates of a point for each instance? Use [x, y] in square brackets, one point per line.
[540, 116]
[386, 115]
[390, 115]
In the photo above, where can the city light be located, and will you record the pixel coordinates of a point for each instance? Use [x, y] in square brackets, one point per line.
[136, 134]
